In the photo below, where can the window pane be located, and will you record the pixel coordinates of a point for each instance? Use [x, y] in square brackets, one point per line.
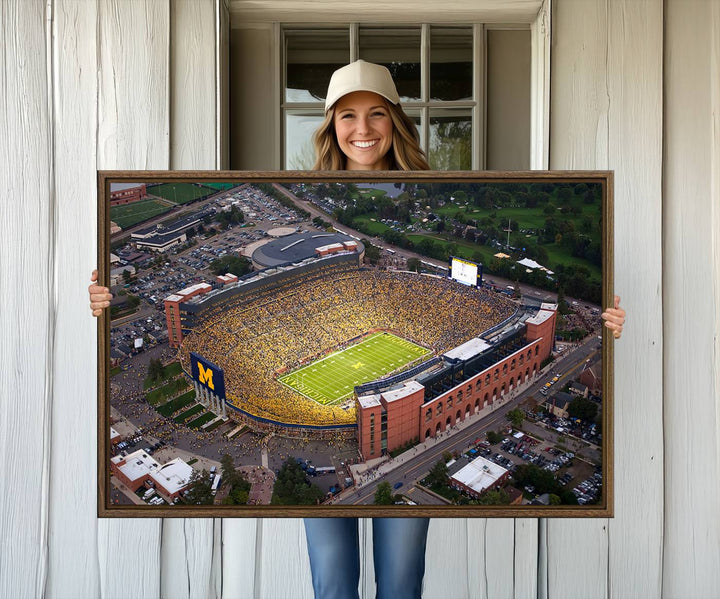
[415, 117]
[311, 58]
[299, 150]
[450, 140]
[399, 50]
[451, 56]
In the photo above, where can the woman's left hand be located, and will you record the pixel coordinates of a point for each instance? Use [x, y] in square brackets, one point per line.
[615, 318]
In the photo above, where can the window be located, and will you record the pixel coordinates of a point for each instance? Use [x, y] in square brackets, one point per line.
[439, 71]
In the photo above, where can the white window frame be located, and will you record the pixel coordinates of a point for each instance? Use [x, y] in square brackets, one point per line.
[535, 15]
[476, 107]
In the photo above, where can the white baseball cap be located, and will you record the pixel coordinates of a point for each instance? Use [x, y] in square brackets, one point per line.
[361, 76]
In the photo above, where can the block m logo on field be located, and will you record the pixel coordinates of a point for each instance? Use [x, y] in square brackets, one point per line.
[207, 374]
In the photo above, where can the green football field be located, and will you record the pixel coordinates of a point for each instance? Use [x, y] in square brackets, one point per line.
[127, 215]
[333, 378]
[179, 193]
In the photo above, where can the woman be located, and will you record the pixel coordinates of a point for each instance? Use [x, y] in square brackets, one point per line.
[365, 129]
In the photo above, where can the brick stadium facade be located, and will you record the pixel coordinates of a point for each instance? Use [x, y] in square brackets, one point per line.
[172, 311]
[391, 419]
[127, 193]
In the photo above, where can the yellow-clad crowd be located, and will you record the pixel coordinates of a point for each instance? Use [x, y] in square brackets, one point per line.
[279, 326]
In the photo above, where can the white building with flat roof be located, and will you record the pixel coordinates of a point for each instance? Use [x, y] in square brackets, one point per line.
[172, 478]
[479, 476]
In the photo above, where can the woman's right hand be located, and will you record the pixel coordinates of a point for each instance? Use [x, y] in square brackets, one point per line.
[99, 296]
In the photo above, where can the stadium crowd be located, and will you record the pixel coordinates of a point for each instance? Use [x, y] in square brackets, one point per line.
[275, 328]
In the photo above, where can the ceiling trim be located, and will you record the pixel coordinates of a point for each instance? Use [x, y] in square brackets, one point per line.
[383, 11]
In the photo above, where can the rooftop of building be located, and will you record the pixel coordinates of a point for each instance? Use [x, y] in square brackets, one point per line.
[480, 474]
[296, 247]
[173, 476]
[137, 464]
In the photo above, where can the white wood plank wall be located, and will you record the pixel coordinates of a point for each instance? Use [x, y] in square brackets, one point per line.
[691, 255]
[86, 85]
[27, 318]
[606, 112]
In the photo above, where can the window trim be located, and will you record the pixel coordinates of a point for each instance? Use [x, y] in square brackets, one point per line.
[540, 30]
[475, 107]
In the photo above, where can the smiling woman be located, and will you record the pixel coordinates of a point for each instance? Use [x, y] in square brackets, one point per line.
[365, 128]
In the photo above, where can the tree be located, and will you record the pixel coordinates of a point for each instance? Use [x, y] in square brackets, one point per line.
[372, 253]
[438, 475]
[494, 438]
[515, 417]
[413, 264]
[156, 370]
[384, 494]
[499, 497]
[460, 196]
[239, 486]
[563, 306]
[233, 216]
[583, 408]
[291, 487]
[227, 467]
[199, 490]
[451, 145]
[126, 276]
[133, 301]
[237, 265]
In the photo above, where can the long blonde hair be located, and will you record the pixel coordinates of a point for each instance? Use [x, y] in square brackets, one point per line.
[405, 154]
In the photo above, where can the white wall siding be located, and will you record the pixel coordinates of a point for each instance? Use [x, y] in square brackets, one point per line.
[133, 129]
[74, 570]
[134, 80]
[239, 558]
[692, 315]
[188, 558]
[635, 126]
[607, 113]
[26, 317]
[189, 565]
[579, 103]
[282, 566]
[193, 85]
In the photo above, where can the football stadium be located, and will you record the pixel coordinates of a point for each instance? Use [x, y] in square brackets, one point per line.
[297, 343]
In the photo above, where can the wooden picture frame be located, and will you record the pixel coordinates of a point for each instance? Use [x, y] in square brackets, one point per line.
[315, 366]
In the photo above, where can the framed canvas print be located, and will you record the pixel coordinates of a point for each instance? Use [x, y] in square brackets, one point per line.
[355, 344]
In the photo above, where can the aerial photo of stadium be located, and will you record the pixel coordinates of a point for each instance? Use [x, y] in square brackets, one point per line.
[302, 350]
[282, 335]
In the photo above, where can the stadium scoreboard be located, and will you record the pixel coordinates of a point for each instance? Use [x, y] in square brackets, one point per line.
[207, 374]
[465, 271]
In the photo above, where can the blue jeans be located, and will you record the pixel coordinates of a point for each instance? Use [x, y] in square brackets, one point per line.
[398, 552]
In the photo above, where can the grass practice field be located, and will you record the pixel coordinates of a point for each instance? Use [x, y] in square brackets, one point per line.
[127, 215]
[179, 193]
[333, 378]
